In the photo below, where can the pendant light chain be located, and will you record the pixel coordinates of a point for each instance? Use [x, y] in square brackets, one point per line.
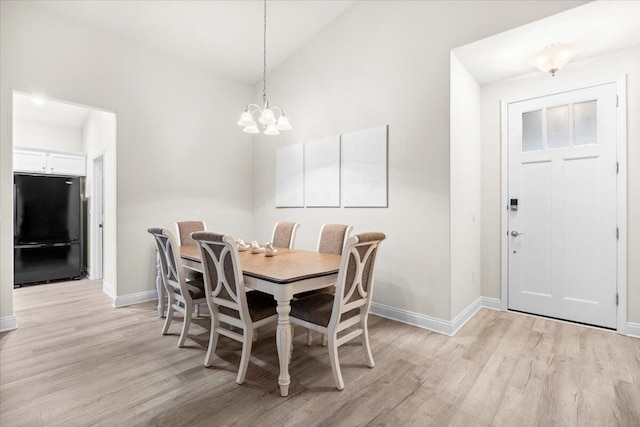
[264, 69]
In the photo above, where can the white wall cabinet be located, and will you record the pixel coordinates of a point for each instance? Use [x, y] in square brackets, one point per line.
[66, 164]
[26, 160]
[29, 161]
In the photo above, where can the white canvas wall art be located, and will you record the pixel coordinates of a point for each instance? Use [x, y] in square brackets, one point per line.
[290, 176]
[322, 172]
[364, 168]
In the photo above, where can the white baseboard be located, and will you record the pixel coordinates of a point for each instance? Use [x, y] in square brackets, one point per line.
[413, 319]
[8, 323]
[633, 329]
[137, 298]
[445, 327]
[108, 289]
[450, 327]
[492, 303]
[461, 319]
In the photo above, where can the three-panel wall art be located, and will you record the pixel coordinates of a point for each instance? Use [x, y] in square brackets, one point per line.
[348, 170]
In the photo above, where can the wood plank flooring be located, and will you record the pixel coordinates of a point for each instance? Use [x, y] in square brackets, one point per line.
[75, 360]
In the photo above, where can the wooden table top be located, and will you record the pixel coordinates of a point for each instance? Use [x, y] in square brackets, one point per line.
[290, 265]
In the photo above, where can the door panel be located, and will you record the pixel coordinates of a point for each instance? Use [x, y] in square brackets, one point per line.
[534, 253]
[581, 210]
[562, 170]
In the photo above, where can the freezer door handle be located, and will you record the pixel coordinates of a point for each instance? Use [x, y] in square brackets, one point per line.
[43, 245]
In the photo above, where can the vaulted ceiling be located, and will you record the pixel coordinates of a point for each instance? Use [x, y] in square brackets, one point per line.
[223, 36]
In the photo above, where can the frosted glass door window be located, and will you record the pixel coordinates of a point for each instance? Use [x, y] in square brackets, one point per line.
[585, 123]
[532, 131]
[558, 127]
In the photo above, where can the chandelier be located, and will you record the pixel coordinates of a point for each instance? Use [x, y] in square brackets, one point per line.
[271, 118]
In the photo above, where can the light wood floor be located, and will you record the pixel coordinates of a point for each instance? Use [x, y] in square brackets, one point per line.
[75, 360]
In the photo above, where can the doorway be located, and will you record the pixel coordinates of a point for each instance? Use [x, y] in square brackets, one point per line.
[54, 138]
[562, 201]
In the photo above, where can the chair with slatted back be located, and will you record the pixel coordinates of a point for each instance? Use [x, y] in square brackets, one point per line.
[284, 234]
[332, 239]
[183, 295]
[227, 298]
[343, 316]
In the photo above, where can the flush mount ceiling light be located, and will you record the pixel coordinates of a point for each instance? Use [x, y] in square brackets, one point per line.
[271, 118]
[553, 57]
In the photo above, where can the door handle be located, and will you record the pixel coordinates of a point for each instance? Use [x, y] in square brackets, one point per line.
[516, 234]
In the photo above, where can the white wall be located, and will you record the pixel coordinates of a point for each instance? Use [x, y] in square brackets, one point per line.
[27, 133]
[466, 141]
[385, 63]
[624, 62]
[178, 147]
[379, 63]
[99, 138]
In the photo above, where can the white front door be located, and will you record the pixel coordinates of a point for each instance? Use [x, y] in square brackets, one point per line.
[562, 227]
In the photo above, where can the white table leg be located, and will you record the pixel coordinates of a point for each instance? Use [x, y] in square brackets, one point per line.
[160, 288]
[283, 342]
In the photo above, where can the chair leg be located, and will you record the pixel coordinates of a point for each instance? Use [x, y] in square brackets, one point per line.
[213, 340]
[169, 318]
[196, 311]
[324, 340]
[188, 308]
[247, 343]
[335, 362]
[309, 337]
[366, 346]
[255, 334]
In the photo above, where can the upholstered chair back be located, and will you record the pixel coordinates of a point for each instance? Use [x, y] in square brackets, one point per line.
[284, 234]
[333, 238]
[184, 230]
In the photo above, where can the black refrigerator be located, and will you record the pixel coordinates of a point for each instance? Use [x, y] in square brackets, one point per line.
[47, 228]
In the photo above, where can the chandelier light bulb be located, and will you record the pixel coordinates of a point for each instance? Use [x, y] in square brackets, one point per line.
[246, 119]
[267, 117]
[251, 129]
[283, 123]
[271, 130]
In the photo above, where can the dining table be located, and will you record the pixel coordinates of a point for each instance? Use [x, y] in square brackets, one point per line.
[290, 272]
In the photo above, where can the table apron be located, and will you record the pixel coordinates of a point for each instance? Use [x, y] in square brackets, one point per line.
[286, 291]
[192, 265]
[280, 291]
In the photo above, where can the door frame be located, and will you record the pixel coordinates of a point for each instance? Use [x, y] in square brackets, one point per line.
[95, 220]
[621, 153]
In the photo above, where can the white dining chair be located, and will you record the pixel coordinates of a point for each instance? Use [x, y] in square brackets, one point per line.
[347, 311]
[183, 295]
[227, 298]
[331, 240]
